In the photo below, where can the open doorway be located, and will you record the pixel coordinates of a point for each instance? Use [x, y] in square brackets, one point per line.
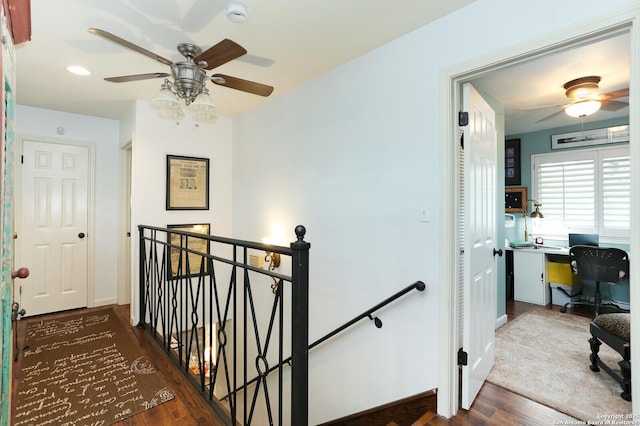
[124, 240]
[533, 98]
[450, 300]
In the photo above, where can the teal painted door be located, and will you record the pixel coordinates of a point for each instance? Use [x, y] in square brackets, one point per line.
[6, 217]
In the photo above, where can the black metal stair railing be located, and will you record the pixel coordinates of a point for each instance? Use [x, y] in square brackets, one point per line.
[210, 305]
[222, 319]
[418, 285]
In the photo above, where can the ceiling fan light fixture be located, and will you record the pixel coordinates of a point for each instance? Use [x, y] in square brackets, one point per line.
[582, 88]
[582, 108]
[173, 114]
[203, 102]
[204, 117]
[165, 100]
[188, 87]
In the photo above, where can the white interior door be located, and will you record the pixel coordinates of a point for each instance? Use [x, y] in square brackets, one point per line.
[53, 226]
[480, 280]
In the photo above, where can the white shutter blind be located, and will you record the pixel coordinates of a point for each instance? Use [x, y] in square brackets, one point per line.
[583, 191]
[566, 191]
[616, 192]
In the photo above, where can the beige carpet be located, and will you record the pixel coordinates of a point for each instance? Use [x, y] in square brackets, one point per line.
[544, 356]
[84, 370]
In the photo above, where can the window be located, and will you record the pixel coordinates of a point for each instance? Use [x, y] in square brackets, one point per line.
[583, 191]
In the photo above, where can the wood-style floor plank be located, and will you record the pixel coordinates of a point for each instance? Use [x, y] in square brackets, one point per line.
[493, 406]
[497, 406]
[188, 408]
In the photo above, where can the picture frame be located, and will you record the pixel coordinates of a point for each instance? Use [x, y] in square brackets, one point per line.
[512, 171]
[187, 183]
[515, 199]
[606, 135]
[176, 255]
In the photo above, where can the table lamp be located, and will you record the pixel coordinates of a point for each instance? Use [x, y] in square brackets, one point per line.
[535, 214]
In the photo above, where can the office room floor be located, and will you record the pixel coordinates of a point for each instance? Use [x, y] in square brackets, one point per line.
[498, 406]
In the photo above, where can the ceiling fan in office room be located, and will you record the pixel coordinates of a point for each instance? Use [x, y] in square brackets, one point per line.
[585, 98]
[189, 76]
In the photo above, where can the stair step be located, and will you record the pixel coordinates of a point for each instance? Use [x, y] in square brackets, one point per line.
[424, 419]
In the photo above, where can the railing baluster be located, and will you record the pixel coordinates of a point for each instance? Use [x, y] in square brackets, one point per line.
[176, 307]
[181, 302]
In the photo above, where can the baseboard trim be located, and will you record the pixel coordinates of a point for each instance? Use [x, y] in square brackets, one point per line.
[501, 321]
[104, 302]
[402, 411]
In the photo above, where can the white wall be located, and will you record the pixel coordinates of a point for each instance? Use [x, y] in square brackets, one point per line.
[353, 155]
[103, 134]
[153, 139]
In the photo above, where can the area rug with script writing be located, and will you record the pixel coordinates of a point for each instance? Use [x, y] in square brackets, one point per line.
[84, 370]
[544, 355]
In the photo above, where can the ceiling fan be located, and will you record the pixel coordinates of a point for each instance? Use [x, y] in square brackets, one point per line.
[189, 76]
[585, 99]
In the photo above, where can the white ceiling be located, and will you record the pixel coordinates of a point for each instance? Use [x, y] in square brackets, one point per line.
[539, 82]
[289, 42]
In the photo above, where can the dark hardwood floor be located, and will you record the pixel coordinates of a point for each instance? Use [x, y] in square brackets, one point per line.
[493, 406]
[188, 408]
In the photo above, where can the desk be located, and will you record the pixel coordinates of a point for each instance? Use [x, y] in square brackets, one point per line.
[530, 268]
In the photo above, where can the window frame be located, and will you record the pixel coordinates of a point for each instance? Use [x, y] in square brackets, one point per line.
[598, 155]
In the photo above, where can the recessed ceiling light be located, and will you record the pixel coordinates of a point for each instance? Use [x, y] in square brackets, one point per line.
[237, 12]
[76, 69]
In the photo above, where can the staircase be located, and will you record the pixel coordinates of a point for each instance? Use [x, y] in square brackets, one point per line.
[417, 410]
[422, 421]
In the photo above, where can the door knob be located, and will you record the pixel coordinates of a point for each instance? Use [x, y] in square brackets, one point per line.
[20, 273]
[81, 235]
[498, 252]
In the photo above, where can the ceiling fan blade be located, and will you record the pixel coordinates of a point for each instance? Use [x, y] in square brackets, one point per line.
[135, 77]
[256, 60]
[240, 84]
[622, 93]
[551, 116]
[613, 105]
[223, 52]
[542, 106]
[129, 45]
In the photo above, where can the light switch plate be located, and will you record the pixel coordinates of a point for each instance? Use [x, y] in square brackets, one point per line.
[425, 215]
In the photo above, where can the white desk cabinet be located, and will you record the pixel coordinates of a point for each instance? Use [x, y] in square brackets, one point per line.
[529, 281]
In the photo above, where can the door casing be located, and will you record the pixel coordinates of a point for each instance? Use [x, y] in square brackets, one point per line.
[90, 207]
[451, 81]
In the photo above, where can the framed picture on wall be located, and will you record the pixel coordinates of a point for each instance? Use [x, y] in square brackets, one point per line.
[183, 263]
[515, 199]
[583, 138]
[512, 162]
[187, 183]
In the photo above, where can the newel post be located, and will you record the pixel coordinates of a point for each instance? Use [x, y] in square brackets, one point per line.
[300, 329]
[141, 276]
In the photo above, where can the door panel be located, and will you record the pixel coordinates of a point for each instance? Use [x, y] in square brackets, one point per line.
[53, 224]
[480, 282]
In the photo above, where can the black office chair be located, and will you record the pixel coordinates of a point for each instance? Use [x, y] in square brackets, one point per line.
[609, 265]
[599, 264]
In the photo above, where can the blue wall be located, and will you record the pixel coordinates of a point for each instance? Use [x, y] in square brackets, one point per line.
[539, 143]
